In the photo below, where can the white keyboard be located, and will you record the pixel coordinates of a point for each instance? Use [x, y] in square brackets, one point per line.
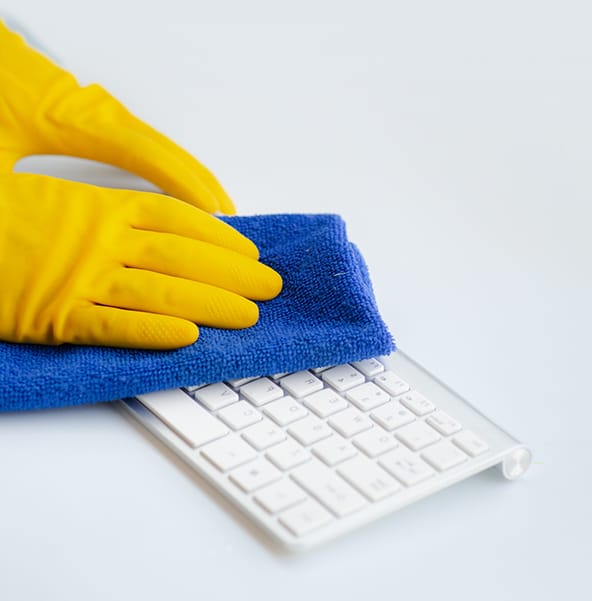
[313, 454]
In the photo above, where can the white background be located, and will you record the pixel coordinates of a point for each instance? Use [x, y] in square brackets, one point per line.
[455, 139]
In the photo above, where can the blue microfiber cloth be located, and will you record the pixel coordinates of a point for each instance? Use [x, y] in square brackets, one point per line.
[326, 314]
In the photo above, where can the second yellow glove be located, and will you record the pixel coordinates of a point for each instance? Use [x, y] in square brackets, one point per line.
[43, 110]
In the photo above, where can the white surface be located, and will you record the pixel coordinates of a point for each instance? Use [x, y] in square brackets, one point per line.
[454, 137]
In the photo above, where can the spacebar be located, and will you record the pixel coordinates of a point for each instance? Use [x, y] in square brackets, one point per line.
[184, 415]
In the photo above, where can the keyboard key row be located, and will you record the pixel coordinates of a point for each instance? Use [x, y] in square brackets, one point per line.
[309, 389]
[262, 390]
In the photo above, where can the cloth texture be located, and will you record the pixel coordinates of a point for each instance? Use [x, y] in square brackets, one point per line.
[326, 314]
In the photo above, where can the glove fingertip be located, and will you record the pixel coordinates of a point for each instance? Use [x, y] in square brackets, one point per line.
[270, 285]
[246, 315]
[166, 333]
[249, 248]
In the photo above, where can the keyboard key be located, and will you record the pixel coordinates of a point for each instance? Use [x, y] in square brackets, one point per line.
[301, 383]
[309, 430]
[470, 443]
[279, 496]
[392, 415]
[370, 479]
[367, 396]
[191, 389]
[278, 376]
[369, 367]
[444, 455]
[228, 452]
[442, 422]
[185, 416]
[261, 391]
[334, 450]
[325, 402]
[390, 382]
[406, 466]
[239, 415]
[240, 382]
[255, 474]
[215, 396]
[305, 517]
[350, 422]
[375, 442]
[287, 455]
[263, 435]
[417, 435]
[343, 377]
[328, 488]
[416, 402]
[285, 411]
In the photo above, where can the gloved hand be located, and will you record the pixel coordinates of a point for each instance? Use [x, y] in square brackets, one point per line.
[43, 110]
[91, 265]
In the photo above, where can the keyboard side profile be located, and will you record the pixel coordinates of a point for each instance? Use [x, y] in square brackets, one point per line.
[312, 455]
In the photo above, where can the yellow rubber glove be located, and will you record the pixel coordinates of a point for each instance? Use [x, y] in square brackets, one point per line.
[91, 265]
